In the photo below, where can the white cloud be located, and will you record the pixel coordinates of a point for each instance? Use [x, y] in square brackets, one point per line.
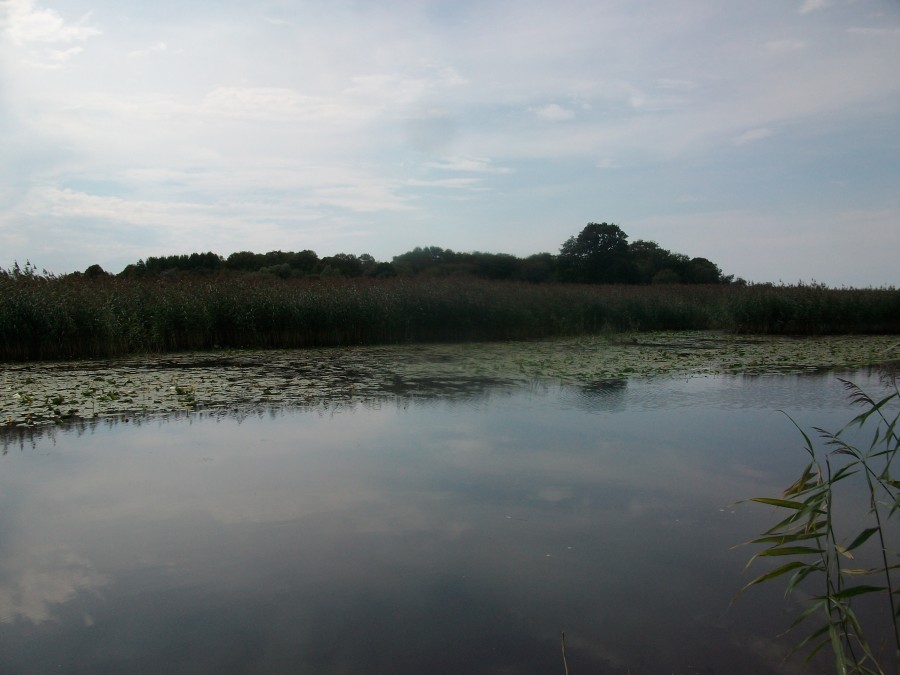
[55, 58]
[158, 47]
[813, 5]
[553, 112]
[420, 87]
[675, 84]
[473, 164]
[294, 201]
[752, 135]
[272, 104]
[278, 22]
[452, 183]
[79, 228]
[24, 23]
[334, 114]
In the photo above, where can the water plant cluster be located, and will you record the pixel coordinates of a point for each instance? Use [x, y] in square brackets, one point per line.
[47, 317]
[38, 394]
[838, 538]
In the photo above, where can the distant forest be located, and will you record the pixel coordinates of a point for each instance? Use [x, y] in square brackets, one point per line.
[600, 253]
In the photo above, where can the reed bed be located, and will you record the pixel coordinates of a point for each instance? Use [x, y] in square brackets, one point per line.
[47, 317]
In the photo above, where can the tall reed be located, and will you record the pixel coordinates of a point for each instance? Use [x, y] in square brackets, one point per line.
[808, 538]
[46, 317]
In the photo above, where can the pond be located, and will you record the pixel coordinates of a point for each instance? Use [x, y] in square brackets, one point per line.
[442, 533]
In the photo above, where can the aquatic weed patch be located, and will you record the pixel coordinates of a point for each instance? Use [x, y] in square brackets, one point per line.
[37, 394]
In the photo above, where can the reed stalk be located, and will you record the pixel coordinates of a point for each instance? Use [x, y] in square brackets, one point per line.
[818, 554]
[47, 317]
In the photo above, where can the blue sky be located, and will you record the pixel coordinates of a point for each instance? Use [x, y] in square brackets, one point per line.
[764, 136]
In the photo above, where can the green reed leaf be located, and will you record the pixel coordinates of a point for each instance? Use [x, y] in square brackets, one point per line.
[777, 572]
[783, 503]
[809, 638]
[801, 575]
[837, 648]
[785, 538]
[790, 550]
[845, 472]
[843, 551]
[862, 537]
[805, 614]
[860, 571]
[853, 591]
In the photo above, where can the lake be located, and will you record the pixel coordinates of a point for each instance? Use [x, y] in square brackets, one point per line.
[442, 533]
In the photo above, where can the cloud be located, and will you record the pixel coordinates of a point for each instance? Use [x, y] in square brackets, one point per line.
[752, 135]
[57, 57]
[319, 116]
[271, 104]
[452, 183]
[158, 47]
[813, 5]
[271, 199]
[278, 22]
[554, 112]
[473, 164]
[675, 84]
[25, 24]
[292, 198]
[79, 228]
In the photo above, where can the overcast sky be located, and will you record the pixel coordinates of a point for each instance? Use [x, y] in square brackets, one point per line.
[762, 135]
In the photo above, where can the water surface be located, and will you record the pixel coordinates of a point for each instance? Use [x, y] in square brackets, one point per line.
[455, 534]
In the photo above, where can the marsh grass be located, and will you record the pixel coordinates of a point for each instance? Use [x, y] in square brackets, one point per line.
[823, 550]
[47, 317]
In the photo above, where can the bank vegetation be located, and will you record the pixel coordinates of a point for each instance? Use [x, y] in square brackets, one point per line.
[43, 316]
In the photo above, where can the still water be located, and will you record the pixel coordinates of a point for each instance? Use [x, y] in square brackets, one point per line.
[456, 534]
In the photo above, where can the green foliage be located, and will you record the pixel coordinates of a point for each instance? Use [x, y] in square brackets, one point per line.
[601, 254]
[598, 255]
[438, 262]
[195, 262]
[818, 554]
[47, 317]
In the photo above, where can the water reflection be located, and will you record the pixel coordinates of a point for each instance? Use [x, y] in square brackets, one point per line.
[600, 396]
[46, 579]
[411, 535]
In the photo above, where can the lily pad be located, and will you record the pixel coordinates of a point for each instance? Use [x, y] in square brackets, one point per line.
[36, 394]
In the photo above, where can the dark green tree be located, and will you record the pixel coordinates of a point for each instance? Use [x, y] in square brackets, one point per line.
[494, 265]
[244, 261]
[341, 265]
[598, 255]
[422, 259]
[96, 272]
[303, 263]
[703, 271]
[538, 268]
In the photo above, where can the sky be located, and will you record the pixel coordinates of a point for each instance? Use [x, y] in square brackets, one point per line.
[764, 136]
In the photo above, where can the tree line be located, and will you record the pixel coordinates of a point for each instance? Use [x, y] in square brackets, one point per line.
[599, 254]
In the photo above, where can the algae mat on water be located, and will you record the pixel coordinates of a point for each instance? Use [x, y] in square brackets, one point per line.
[37, 394]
